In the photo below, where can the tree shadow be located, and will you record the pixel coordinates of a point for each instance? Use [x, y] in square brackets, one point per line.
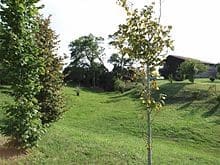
[120, 96]
[171, 90]
[130, 93]
[217, 122]
[9, 151]
[171, 93]
[5, 90]
[185, 106]
[215, 110]
[3, 87]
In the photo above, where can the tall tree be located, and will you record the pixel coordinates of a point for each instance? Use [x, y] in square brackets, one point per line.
[142, 37]
[19, 53]
[50, 96]
[86, 52]
[120, 63]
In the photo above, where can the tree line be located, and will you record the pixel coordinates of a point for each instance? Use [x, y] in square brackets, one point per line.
[87, 68]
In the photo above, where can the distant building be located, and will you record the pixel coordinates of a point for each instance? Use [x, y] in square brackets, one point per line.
[172, 63]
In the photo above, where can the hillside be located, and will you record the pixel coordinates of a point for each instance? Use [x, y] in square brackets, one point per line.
[109, 128]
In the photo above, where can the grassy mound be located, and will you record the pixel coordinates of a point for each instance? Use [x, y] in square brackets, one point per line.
[109, 128]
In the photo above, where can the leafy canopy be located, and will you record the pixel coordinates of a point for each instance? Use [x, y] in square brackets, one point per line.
[19, 55]
[86, 50]
[142, 37]
[190, 68]
[50, 96]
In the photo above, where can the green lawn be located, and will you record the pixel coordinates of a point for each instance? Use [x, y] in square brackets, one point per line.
[109, 128]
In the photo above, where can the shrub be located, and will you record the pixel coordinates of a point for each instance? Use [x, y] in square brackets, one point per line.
[212, 79]
[77, 91]
[139, 89]
[119, 85]
[19, 53]
[190, 68]
[170, 78]
[218, 98]
[50, 96]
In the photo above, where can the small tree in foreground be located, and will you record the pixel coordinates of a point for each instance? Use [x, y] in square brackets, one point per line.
[144, 39]
[190, 68]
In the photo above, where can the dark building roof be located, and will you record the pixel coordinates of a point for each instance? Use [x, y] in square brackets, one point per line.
[172, 63]
[189, 58]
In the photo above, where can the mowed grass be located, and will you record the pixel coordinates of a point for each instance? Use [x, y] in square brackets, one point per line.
[109, 128]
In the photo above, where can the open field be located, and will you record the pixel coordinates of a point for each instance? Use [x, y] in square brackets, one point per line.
[109, 128]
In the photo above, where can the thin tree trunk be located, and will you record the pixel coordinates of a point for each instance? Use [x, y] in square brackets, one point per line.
[94, 83]
[149, 136]
[149, 132]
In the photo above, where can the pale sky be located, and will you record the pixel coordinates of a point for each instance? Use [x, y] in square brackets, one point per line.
[196, 25]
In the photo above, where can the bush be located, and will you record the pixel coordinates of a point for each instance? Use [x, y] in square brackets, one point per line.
[218, 98]
[190, 68]
[22, 124]
[19, 54]
[170, 78]
[129, 85]
[119, 85]
[77, 91]
[139, 89]
[50, 96]
[212, 79]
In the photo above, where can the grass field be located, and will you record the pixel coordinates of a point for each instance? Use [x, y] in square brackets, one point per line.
[109, 128]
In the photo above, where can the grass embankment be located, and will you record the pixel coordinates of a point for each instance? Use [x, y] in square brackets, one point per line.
[109, 128]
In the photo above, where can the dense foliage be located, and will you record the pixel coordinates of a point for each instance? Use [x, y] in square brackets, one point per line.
[19, 53]
[83, 76]
[50, 96]
[86, 52]
[190, 68]
[29, 57]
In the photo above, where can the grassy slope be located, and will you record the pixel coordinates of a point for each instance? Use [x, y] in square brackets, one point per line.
[109, 128]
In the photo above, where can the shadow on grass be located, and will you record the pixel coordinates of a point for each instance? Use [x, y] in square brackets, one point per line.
[215, 110]
[4, 87]
[169, 89]
[90, 89]
[217, 122]
[186, 105]
[172, 89]
[130, 93]
[121, 96]
[177, 93]
[8, 151]
[7, 92]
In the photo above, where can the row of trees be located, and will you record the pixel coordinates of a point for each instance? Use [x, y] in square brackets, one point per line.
[28, 56]
[87, 68]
